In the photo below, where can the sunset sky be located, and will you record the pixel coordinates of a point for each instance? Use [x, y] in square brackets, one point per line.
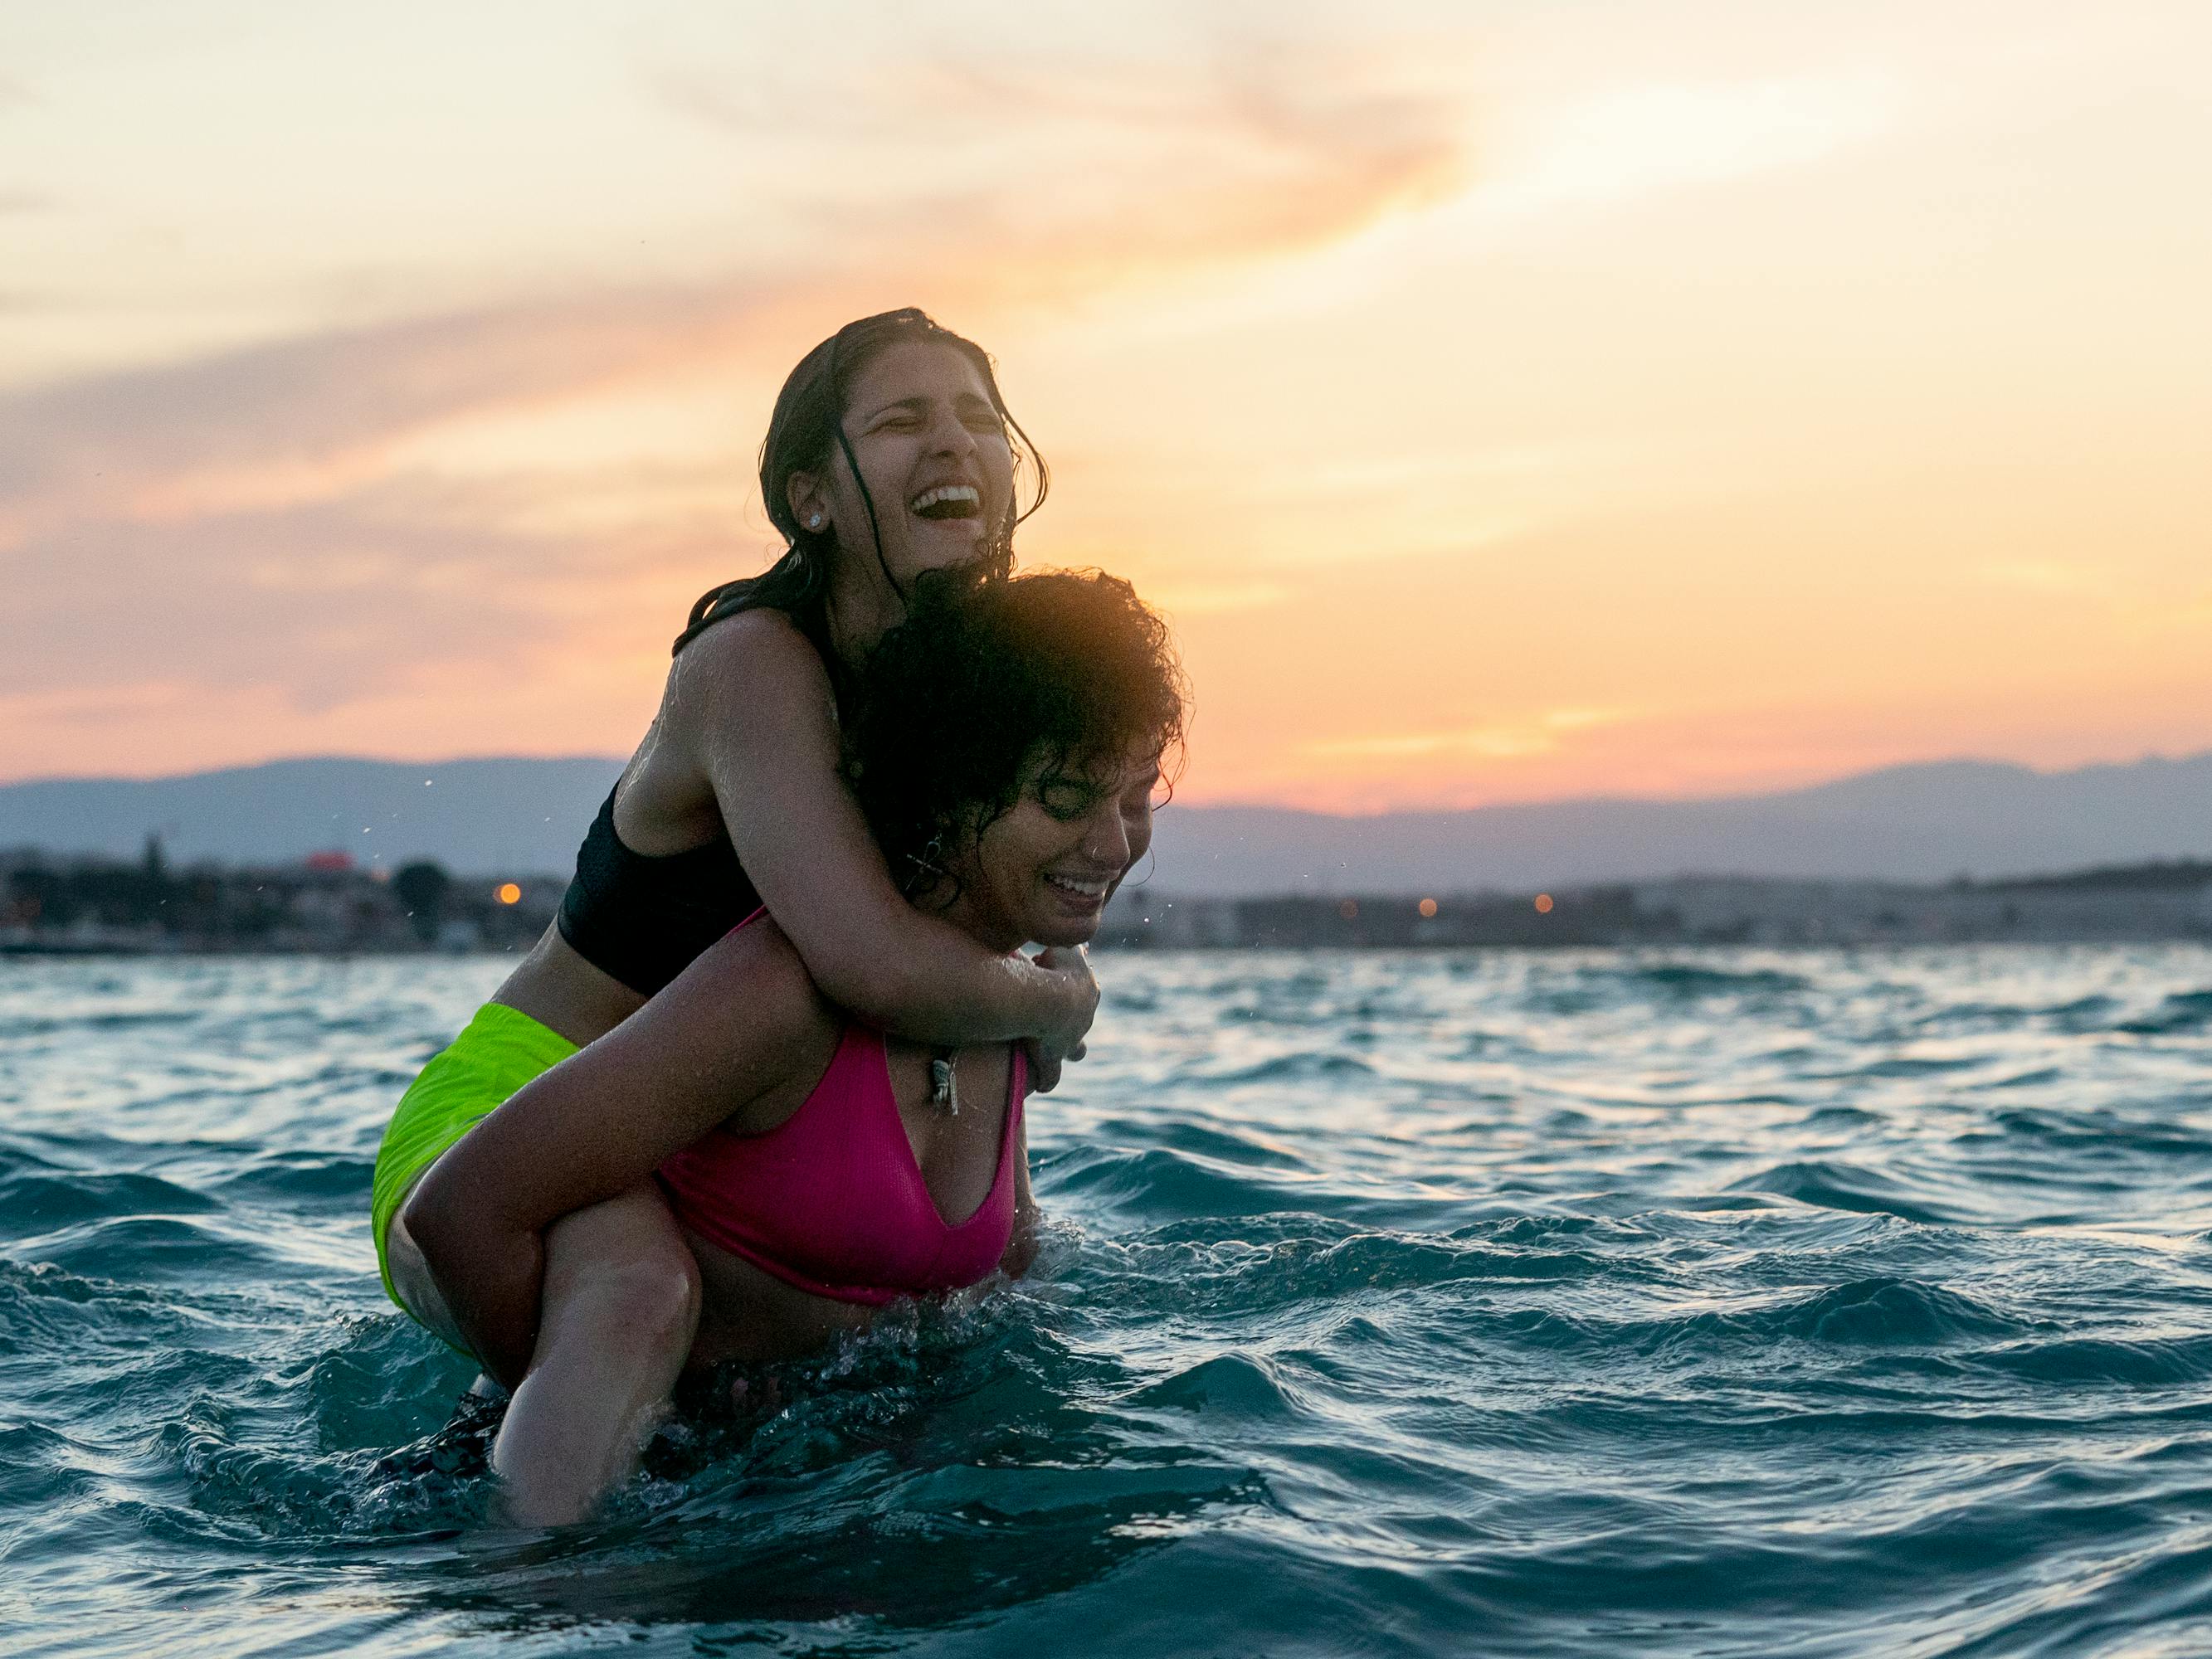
[1660, 396]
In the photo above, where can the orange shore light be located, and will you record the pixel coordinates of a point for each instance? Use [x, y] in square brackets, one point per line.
[1543, 904]
[509, 893]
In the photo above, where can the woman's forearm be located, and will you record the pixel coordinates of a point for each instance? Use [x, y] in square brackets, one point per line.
[929, 982]
[491, 1278]
[497, 1307]
[755, 701]
[603, 1121]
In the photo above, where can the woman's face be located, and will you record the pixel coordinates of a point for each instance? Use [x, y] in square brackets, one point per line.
[1042, 871]
[935, 456]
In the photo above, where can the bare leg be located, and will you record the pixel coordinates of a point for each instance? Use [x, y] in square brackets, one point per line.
[620, 1305]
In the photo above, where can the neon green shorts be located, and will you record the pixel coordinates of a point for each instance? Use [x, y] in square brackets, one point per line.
[501, 1050]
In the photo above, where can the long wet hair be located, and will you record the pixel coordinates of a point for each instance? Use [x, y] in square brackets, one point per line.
[805, 432]
[988, 677]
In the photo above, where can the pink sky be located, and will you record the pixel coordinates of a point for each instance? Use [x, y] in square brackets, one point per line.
[1503, 406]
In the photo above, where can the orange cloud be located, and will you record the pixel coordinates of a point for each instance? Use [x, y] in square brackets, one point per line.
[1501, 741]
[1122, 172]
[294, 506]
[1813, 419]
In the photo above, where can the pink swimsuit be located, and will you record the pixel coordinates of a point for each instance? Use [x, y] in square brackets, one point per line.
[831, 1200]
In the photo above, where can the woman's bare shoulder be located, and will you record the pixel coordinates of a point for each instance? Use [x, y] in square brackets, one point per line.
[749, 700]
[753, 656]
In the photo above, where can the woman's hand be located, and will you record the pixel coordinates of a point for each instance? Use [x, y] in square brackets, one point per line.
[1069, 968]
[750, 703]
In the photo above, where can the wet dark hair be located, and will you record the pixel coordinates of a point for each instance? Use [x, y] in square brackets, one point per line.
[988, 674]
[803, 432]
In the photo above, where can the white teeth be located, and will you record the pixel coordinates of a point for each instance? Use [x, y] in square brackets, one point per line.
[1087, 888]
[966, 493]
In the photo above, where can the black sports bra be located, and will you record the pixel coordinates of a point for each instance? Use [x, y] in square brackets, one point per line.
[642, 920]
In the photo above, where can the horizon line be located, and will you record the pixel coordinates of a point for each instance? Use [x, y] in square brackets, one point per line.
[1235, 804]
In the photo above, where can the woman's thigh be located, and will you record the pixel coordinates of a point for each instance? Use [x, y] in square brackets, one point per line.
[630, 1241]
[414, 1284]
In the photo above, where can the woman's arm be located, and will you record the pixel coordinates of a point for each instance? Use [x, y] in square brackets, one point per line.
[604, 1120]
[753, 703]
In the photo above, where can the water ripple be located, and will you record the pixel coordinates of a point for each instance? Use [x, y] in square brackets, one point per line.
[1692, 1303]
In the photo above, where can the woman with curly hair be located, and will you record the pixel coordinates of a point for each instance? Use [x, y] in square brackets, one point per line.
[890, 454]
[1004, 744]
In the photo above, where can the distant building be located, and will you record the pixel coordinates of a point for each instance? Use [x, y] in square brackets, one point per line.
[2148, 902]
[50, 905]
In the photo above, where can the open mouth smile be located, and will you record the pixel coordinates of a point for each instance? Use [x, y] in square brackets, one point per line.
[948, 502]
[1092, 891]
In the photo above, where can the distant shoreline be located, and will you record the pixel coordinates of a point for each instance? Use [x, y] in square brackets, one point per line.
[99, 908]
[2142, 904]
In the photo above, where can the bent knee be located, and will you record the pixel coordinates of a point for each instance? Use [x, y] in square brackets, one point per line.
[650, 1299]
[666, 1292]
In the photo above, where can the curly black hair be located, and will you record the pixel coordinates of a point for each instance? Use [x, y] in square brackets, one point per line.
[989, 675]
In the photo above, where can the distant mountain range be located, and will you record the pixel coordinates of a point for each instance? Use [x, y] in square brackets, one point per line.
[478, 817]
[1919, 823]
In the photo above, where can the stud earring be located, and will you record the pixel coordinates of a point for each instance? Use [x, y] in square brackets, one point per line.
[815, 523]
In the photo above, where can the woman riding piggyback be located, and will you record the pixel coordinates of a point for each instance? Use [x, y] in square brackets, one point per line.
[890, 454]
[1006, 744]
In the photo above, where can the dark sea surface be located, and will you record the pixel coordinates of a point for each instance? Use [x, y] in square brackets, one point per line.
[1611, 1302]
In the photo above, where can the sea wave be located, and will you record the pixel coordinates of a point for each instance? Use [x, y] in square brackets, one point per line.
[1729, 1302]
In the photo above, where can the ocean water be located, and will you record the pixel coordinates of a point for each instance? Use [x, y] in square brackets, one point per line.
[1667, 1303]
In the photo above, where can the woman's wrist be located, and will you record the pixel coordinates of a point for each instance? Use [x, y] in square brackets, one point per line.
[1074, 994]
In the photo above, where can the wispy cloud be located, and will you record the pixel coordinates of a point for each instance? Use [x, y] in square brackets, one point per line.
[1633, 140]
[311, 400]
[1188, 600]
[1429, 360]
[1243, 146]
[1543, 734]
[1240, 159]
[2055, 577]
[325, 599]
[2136, 597]
[263, 515]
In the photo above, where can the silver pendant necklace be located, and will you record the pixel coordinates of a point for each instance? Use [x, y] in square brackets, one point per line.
[944, 1082]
